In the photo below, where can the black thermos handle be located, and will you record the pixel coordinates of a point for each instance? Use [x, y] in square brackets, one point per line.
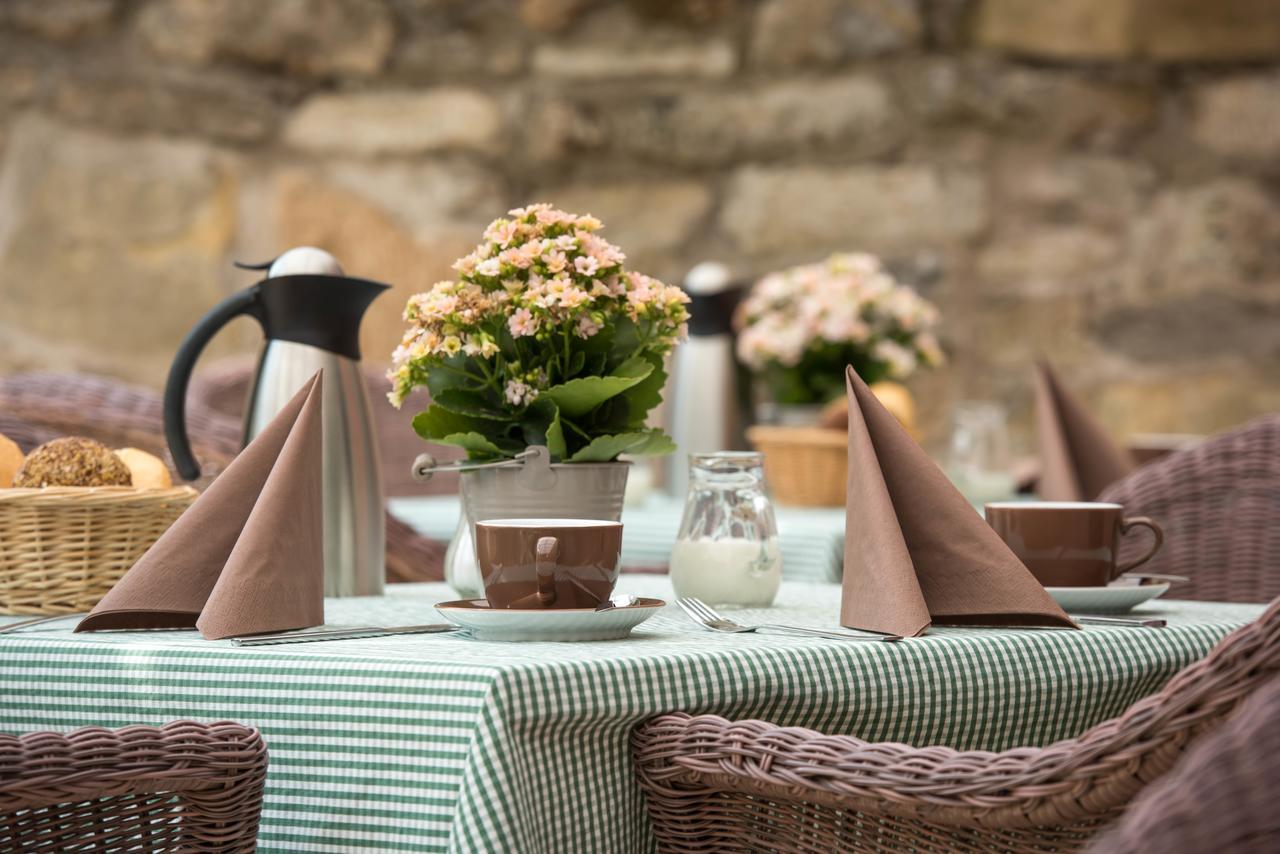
[175, 388]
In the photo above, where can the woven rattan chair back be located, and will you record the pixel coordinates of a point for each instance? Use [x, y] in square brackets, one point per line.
[182, 787]
[1219, 505]
[35, 408]
[752, 786]
[1219, 797]
[223, 387]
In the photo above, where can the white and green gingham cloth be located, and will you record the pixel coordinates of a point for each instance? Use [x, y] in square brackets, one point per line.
[811, 538]
[439, 742]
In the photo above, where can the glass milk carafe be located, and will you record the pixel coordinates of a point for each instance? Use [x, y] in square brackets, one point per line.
[727, 550]
[981, 461]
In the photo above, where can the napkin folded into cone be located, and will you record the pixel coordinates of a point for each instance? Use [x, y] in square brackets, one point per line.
[915, 551]
[1078, 459]
[248, 556]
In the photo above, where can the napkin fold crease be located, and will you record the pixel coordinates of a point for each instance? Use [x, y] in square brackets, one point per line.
[1078, 458]
[248, 556]
[916, 553]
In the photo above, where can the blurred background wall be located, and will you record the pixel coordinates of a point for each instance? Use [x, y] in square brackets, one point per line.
[1097, 180]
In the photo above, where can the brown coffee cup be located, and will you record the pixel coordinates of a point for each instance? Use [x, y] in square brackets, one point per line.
[1069, 543]
[548, 563]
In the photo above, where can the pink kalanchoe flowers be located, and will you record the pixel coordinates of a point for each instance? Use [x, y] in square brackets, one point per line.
[799, 327]
[522, 323]
[541, 274]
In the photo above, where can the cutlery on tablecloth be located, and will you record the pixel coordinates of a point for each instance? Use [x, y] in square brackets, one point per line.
[709, 618]
[1145, 622]
[22, 624]
[344, 634]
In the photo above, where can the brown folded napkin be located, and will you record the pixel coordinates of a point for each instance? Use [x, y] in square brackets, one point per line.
[1078, 459]
[248, 556]
[915, 551]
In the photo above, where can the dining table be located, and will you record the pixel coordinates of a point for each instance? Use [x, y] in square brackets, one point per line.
[441, 742]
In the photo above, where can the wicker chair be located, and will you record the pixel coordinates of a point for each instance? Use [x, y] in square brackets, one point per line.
[184, 786]
[223, 387]
[1219, 504]
[1219, 797]
[35, 408]
[714, 784]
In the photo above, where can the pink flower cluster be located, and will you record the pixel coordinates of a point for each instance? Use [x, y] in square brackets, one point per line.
[849, 299]
[539, 274]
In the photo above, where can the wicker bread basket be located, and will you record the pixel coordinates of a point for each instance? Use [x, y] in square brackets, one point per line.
[805, 466]
[62, 548]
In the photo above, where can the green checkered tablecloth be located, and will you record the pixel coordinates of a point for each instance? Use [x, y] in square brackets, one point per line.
[440, 742]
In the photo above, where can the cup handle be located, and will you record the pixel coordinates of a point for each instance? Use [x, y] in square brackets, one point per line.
[547, 552]
[1141, 522]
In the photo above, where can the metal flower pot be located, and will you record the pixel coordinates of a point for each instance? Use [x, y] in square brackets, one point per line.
[574, 491]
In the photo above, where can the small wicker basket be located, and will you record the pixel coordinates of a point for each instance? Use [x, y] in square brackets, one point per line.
[63, 548]
[805, 466]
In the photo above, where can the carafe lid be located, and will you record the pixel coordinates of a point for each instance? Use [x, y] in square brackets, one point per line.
[709, 277]
[713, 295]
[300, 260]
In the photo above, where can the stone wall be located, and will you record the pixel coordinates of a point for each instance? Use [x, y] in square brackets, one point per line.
[1097, 180]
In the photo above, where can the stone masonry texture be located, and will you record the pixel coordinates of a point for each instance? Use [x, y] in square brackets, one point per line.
[1097, 181]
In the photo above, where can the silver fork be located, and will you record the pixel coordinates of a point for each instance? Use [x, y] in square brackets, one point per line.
[710, 618]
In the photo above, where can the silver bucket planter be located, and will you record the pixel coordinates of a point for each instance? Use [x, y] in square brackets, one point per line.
[576, 491]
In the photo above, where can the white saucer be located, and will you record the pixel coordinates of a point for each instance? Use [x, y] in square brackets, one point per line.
[547, 624]
[1115, 599]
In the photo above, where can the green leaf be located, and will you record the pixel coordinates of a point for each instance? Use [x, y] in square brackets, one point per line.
[450, 374]
[599, 344]
[507, 343]
[555, 439]
[612, 416]
[477, 446]
[576, 361]
[626, 337]
[659, 444]
[472, 403]
[482, 438]
[594, 364]
[602, 449]
[646, 394]
[544, 427]
[435, 422]
[580, 396]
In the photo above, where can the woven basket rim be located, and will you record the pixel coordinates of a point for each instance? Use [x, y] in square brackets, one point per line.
[81, 495]
[798, 436]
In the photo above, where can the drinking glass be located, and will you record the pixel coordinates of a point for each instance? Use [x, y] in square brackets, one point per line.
[726, 552]
[981, 462]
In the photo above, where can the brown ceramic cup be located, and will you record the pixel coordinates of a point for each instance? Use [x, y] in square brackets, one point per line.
[548, 563]
[1069, 543]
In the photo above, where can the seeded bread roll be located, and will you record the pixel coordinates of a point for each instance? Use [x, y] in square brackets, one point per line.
[10, 460]
[72, 461]
[148, 471]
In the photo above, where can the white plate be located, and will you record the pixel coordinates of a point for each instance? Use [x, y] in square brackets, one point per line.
[547, 624]
[1115, 599]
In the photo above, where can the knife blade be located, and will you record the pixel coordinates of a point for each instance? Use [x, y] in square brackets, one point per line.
[306, 635]
[1146, 622]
